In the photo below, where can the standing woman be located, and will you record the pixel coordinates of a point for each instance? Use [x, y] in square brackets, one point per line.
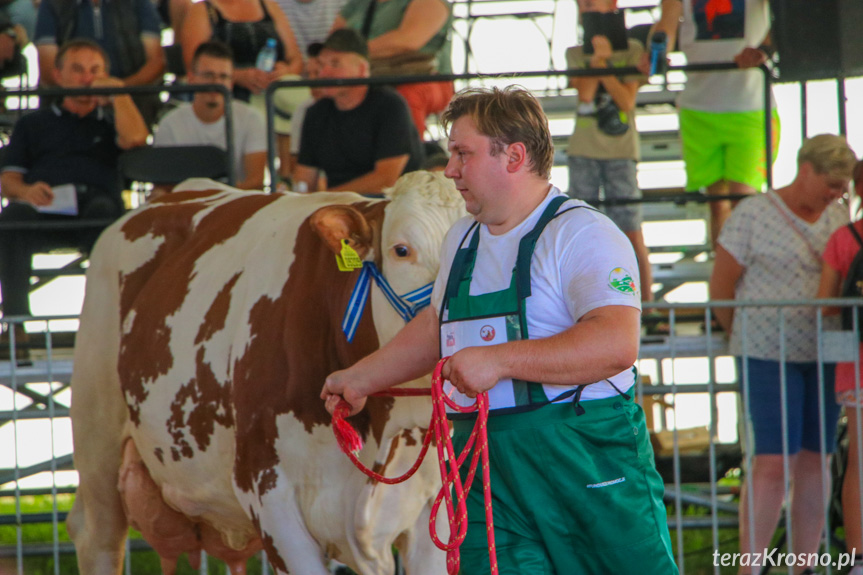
[407, 37]
[245, 26]
[770, 249]
[841, 250]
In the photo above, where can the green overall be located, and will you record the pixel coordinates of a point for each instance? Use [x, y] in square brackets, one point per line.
[575, 490]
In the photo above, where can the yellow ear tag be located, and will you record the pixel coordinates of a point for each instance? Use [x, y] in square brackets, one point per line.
[348, 260]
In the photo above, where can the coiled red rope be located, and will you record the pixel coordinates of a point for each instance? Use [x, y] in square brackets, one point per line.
[456, 506]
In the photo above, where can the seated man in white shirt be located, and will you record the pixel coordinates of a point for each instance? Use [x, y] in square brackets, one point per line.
[203, 121]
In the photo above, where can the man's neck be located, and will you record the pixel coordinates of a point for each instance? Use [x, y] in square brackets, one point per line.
[351, 99]
[526, 197]
[77, 108]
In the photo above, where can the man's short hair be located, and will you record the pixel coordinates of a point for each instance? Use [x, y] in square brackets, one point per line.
[347, 40]
[213, 49]
[506, 116]
[314, 49]
[76, 44]
[828, 154]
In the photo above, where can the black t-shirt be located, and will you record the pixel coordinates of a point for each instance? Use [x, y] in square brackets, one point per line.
[57, 147]
[346, 144]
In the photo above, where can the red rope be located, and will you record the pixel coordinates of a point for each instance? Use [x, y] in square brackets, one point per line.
[456, 507]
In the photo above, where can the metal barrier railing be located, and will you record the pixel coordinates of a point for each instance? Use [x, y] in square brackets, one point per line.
[698, 498]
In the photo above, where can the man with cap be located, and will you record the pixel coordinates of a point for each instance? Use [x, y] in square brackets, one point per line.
[361, 137]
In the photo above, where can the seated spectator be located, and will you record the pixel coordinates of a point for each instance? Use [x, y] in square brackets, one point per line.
[245, 26]
[361, 137]
[770, 249]
[407, 37]
[604, 148]
[128, 30]
[68, 150]
[203, 121]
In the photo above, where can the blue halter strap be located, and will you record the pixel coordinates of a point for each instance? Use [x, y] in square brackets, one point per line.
[406, 305]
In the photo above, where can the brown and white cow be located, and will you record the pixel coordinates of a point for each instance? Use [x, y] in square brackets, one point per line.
[210, 321]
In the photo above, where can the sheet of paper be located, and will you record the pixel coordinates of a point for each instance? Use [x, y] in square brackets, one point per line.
[65, 201]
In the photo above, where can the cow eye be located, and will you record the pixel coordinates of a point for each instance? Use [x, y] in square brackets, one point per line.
[402, 251]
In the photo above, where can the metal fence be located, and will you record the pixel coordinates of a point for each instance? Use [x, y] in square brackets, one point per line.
[691, 395]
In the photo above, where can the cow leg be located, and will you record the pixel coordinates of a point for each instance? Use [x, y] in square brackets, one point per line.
[99, 416]
[289, 545]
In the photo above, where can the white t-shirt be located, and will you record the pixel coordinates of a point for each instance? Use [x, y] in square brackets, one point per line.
[719, 37]
[311, 20]
[579, 259]
[780, 265]
[181, 127]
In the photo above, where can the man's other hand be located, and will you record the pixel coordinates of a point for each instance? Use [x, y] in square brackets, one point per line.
[750, 58]
[38, 194]
[342, 385]
[472, 370]
[107, 82]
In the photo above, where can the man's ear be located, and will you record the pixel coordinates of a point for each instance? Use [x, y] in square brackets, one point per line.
[516, 157]
[336, 223]
[55, 73]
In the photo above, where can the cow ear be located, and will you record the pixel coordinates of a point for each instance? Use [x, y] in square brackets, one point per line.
[336, 223]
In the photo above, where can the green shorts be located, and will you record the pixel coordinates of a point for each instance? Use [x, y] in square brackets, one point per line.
[725, 146]
[572, 494]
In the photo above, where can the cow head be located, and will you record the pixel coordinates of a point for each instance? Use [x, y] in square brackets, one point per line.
[405, 246]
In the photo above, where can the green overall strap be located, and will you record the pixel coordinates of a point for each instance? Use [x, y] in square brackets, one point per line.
[463, 256]
[526, 247]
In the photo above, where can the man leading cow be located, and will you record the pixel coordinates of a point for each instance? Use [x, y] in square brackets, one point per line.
[537, 303]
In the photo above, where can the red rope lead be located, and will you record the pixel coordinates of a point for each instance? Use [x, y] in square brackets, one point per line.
[456, 507]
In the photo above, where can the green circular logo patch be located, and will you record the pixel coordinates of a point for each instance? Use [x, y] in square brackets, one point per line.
[621, 280]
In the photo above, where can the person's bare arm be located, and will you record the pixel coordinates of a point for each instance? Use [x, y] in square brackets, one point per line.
[307, 174]
[830, 286]
[130, 125]
[196, 30]
[411, 354]
[385, 174]
[254, 165]
[14, 188]
[669, 22]
[46, 54]
[623, 93]
[154, 65]
[293, 62]
[723, 283]
[421, 21]
[601, 344]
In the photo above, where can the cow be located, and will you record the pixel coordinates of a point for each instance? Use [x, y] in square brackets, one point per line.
[210, 321]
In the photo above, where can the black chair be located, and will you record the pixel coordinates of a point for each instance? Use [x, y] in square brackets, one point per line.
[171, 165]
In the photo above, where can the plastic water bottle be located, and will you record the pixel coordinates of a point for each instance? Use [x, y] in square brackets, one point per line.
[267, 56]
[658, 48]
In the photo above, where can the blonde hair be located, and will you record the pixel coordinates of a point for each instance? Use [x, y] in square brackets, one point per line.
[828, 154]
[506, 116]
